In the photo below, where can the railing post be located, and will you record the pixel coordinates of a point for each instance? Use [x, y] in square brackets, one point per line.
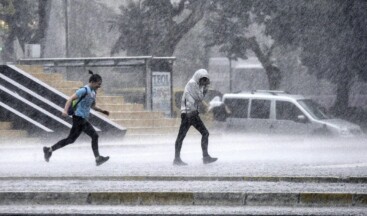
[148, 85]
[66, 5]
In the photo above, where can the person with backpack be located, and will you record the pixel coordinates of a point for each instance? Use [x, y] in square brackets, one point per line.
[81, 101]
[193, 95]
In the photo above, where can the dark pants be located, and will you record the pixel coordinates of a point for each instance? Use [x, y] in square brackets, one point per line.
[186, 123]
[79, 125]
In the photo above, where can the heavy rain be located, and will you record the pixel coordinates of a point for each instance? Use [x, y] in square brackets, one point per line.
[183, 107]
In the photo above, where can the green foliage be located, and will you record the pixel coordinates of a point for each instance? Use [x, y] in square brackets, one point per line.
[230, 24]
[330, 34]
[25, 21]
[155, 27]
[227, 23]
[6, 8]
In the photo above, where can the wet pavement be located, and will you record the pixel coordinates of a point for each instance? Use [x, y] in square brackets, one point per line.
[255, 175]
[238, 156]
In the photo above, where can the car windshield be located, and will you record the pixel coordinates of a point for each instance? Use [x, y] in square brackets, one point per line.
[316, 110]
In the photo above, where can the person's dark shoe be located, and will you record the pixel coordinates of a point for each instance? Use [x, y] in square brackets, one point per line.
[101, 160]
[208, 159]
[179, 162]
[47, 153]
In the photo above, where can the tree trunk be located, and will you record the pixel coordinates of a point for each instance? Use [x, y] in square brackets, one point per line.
[167, 45]
[273, 73]
[8, 54]
[342, 97]
[165, 49]
[44, 8]
[274, 77]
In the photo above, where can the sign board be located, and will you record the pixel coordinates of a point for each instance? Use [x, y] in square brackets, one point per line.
[161, 92]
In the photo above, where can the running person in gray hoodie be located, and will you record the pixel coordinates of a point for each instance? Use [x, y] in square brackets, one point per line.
[194, 93]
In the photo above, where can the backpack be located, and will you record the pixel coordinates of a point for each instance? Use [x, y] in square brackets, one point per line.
[74, 104]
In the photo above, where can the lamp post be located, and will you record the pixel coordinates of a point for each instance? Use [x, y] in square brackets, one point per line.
[4, 29]
[66, 4]
[230, 73]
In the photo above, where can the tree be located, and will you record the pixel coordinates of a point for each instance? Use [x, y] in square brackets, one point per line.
[229, 24]
[155, 27]
[332, 36]
[25, 21]
[330, 33]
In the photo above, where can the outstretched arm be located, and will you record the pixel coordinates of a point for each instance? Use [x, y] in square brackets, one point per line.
[100, 110]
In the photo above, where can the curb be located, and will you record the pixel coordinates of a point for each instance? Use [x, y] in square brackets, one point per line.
[184, 198]
[300, 179]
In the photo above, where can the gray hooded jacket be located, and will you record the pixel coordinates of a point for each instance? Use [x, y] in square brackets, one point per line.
[193, 93]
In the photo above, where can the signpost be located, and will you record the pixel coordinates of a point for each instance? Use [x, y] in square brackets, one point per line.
[161, 92]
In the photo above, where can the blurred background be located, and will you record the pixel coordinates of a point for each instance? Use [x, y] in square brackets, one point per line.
[313, 48]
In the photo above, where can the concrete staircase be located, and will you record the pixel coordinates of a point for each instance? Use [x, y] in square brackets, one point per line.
[7, 131]
[132, 116]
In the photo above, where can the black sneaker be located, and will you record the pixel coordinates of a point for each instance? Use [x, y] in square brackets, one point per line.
[179, 162]
[101, 160]
[208, 159]
[47, 153]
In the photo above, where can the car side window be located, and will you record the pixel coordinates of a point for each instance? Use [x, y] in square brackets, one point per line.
[260, 109]
[287, 111]
[238, 107]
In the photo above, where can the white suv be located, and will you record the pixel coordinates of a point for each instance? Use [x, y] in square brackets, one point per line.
[277, 112]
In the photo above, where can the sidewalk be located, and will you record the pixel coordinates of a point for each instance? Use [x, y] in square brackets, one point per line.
[285, 175]
[239, 156]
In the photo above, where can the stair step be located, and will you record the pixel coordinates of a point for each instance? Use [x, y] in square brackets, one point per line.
[148, 123]
[68, 84]
[49, 78]
[118, 100]
[151, 131]
[68, 91]
[132, 116]
[135, 115]
[32, 69]
[13, 133]
[122, 108]
[5, 125]
[21, 140]
[71, 91]
[157, 135]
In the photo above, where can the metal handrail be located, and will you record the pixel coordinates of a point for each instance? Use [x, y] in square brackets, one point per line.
[93, 61]
[106, 62]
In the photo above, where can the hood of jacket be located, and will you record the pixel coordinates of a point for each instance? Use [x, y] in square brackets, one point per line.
[193, 93]
[200, 74]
